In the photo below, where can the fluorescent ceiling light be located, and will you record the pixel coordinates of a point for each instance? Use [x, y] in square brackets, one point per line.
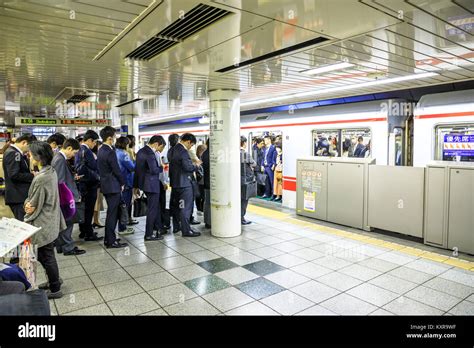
[327, 68]
[342, 88]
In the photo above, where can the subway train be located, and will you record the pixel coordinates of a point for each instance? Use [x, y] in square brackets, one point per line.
[396, 131]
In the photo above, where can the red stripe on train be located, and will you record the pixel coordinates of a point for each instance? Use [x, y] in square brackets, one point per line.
[316, 123]
[289, 185]
[450, 114]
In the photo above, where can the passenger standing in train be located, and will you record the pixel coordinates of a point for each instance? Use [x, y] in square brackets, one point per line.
[278, 181]
[206, 166]
[257, 155]
[195, 185]
[200, 199]
[112, 185]
[268, 166]
[65, 243]
[18, 177]
[173, 139]
[56, 141]
[366, 152]
[127, 167]
[86, 168]
[133, 157]
[333, 147]
[359, 150]
[43, 210]
[181, 170]
[247, 178]
[147, 179]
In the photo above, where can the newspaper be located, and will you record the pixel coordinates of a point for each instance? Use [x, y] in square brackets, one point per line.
[14, 232]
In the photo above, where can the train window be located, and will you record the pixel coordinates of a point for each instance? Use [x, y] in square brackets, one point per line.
[342, 142]
[352, 137]
[455, 143]
[399, 145]
[326, 143]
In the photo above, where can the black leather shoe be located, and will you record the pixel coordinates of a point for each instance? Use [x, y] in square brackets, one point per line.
[75, 251]
[192, 233]
[163, 231]
[245, 222]
[133, 222]
[176, 230]
[167, 227]
[152, 238]
[194, 222]
[94, 225]
[116, 245]
[95, 237]
[82, 235]
[207, 226]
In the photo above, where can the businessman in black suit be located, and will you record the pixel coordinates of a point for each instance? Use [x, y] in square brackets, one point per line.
[181, 171]
[112, 184]
[147, 179]
[359, 150]
[18, 176]
[173, 140]
[69, 148]
[86, 168]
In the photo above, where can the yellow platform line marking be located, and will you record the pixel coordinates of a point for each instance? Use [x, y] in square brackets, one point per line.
[423, 254]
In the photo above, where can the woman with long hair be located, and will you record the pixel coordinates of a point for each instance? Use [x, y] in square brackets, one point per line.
[43, 210]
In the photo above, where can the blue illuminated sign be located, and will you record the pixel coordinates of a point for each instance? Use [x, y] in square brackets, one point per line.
[458, 145]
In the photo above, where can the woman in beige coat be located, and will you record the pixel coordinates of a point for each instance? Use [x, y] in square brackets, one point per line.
[43, 210]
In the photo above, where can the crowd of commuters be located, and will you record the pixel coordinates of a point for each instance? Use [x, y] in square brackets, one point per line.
[268, 155]
[60, 182]
[351, 147]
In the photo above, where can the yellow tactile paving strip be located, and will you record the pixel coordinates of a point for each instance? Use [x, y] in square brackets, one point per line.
[423, 254]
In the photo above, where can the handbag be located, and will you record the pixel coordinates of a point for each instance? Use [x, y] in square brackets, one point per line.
[140, 206]
[249, 190]
[66, 201]
[79, 217]
[261, 178]
[123, 213]
[28, 262]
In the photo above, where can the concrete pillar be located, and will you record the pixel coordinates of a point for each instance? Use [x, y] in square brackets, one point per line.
[224, 157]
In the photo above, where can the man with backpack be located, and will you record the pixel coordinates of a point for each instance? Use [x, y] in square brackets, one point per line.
[64, 243]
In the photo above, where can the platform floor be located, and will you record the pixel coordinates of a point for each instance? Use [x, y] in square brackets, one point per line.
[280, 265]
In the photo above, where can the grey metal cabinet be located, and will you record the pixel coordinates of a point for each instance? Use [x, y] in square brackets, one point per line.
[346, 195]
[449, 206]
[396, 199]
[312, 188]
[461, 210]
[333, 189]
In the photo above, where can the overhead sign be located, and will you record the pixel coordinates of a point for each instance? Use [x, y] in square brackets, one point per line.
[61, 122]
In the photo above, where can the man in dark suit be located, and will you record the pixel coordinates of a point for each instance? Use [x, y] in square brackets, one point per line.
[18, 176]
[173, 139]
[112, 184]
[86, 168]
[147, 179]
[359, 150]
[268, 165]
[257, 155]
[64, 243]
[181, 170]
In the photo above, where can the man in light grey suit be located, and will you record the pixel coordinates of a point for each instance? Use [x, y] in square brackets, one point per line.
[65, 243]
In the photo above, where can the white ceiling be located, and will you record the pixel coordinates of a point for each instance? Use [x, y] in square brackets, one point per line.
[47, 52]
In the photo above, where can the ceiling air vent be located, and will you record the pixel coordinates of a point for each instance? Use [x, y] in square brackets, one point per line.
[273, 54]
[195, 20]
[77, 98]
[259, 118]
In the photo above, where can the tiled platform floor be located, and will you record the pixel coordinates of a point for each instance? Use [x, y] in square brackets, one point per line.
[276, 267]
